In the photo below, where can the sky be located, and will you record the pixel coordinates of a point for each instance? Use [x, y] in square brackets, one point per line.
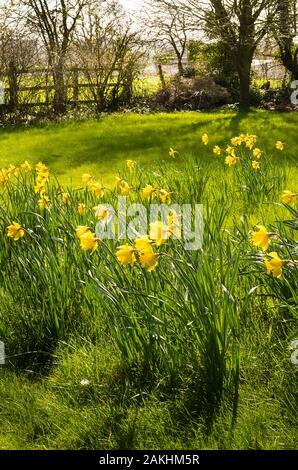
[132, 4]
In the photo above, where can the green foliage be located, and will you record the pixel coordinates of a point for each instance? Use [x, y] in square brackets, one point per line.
[215, 60]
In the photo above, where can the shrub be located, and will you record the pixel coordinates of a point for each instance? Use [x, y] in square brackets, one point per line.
[191, 94]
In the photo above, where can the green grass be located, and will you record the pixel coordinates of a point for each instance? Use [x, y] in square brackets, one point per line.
[101, 147]
[192, 355]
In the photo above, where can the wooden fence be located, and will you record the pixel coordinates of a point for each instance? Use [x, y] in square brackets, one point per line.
[18, 95]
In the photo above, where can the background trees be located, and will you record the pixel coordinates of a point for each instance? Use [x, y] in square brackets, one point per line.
[285, 30]
[18, 54]
[55, 22]
[239, 25]
[109, 52]
[220, 38]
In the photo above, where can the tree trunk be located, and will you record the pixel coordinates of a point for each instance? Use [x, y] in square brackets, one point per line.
[286, 31]
[243, 63]
[289, 57]
[180, 66]
[59, 87]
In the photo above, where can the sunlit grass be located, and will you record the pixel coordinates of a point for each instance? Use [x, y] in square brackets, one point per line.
[100, 147]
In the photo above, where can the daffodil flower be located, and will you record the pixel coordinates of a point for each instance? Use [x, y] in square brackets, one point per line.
[288, 197]
[81, 208]
[205, 139]
[255, 165]
[172, 153]
[126, 255]
[88, 241]
[217, 150]
[261, 238]
[15, 231]
[280, 145]
[274, 264]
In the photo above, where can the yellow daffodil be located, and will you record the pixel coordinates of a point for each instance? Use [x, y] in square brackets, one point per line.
[236, 141]
[274, 264]
[65, 199]
[255, 165]
[126, 255]
[159, 232]
[44, 202]
[87, 179]
[257, 153]
[261, 238]
[41, 168]
[3, 177]
[230, 160]
[81, 230]
[15, 231]
[148, 191]
[101, 212]
[230, 150]
[288, 197]
[42, 178]
[143, 244]
[81, 208]
[165, 196]
[26, 167]
[205, 139]
[126, 189]
[88, 241]
[123, 186]
[119, 182]
[39, 188]
[98, 189]
[149, 259]
[13, 170]
[250, 141]
[130, 164]
[217, 150]
[280, 145]
[172, 153]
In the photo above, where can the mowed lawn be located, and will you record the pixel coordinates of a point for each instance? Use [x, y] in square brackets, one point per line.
[101, 146]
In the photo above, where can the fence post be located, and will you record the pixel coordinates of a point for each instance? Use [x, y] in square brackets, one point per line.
[2, 101]
[47, 90]
[161, 76]
[13, 87]
[76, 86]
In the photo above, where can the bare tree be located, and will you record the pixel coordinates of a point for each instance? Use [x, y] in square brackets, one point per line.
[55, 22]
[110, 53]
[169, 27]
[18, 55]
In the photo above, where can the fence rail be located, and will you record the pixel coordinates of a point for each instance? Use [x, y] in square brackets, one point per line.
[13, 90]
